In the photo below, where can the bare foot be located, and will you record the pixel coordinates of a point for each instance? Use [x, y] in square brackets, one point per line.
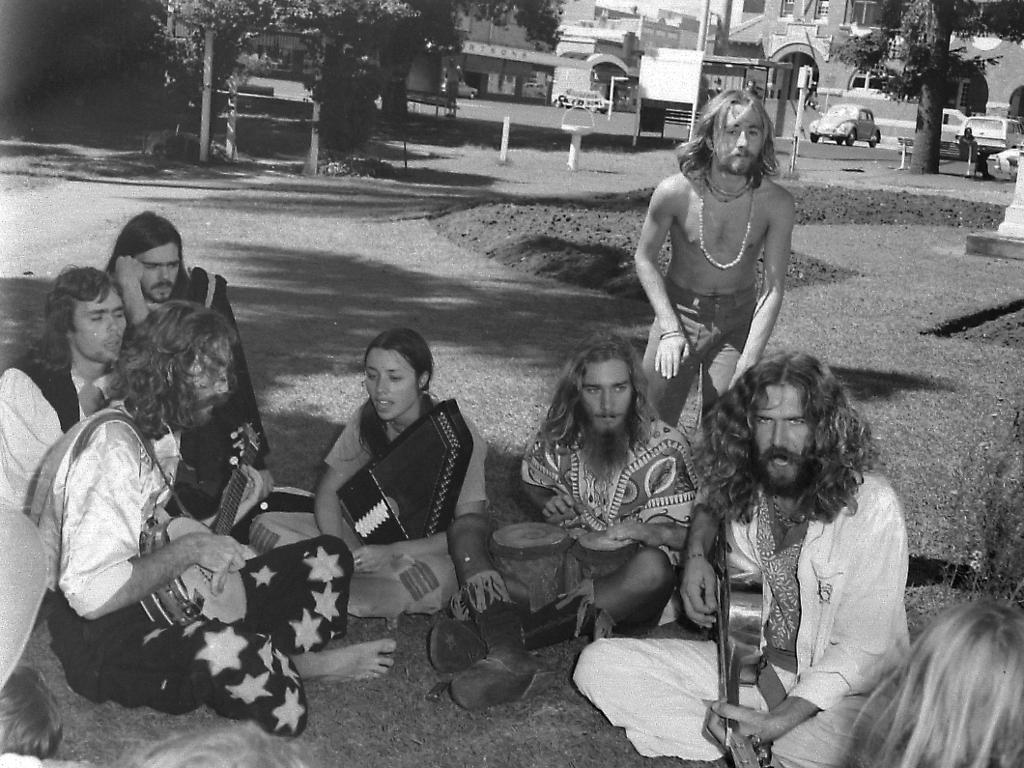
[361, 661]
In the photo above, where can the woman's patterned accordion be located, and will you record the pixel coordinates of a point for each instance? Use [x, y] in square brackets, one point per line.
[412, 491]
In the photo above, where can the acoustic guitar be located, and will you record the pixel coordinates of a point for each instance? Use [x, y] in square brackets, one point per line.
[738, 630]
[190, 596]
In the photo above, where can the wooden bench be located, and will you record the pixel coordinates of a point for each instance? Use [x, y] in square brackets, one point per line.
[436, 100]
[906, 145]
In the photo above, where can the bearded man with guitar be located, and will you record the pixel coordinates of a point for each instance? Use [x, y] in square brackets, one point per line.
[786, 464]
[137, 618]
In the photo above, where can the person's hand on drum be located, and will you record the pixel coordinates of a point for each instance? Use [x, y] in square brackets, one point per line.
[633, 530]
[561, 509]
[371, 558]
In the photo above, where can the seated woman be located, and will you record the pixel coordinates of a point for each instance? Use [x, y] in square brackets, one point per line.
[435, 471]
[955, 700]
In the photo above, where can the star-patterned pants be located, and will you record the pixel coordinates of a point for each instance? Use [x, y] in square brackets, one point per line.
[296, 600]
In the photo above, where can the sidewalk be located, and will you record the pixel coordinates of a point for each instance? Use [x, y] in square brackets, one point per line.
[433, 179]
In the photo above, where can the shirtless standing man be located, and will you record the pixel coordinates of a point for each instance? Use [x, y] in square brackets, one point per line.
[722, 212]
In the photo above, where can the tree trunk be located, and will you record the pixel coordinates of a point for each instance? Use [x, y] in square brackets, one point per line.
[393, 101]
[927, 138]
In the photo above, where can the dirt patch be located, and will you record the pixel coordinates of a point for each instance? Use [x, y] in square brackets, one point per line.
[591, 243]
[1003, 324]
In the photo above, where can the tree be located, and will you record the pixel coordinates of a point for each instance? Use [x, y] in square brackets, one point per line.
[57, 48]
[234, 22]
[365, 49]
[431, 28]
[923, 30]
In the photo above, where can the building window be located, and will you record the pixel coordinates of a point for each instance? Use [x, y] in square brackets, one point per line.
[821, 9]
[868, 81]
[787, 8]
[865, 13]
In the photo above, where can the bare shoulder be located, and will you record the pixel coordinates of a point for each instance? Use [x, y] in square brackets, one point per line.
[774, 195]
[673, 188]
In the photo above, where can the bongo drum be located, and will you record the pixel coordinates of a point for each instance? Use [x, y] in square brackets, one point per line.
[597, 555]
[531, 558]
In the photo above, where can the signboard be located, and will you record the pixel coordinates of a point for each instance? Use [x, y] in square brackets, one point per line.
[671, 74]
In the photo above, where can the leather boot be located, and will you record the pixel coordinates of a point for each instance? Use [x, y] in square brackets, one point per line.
[508, 673]
[559, 621]
[453, 645]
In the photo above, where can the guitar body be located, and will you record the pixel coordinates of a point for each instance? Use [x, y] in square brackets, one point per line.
[190, 596]
[738, 640]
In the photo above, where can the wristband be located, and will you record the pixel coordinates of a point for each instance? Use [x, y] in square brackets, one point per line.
[669, 335]
[691, 555]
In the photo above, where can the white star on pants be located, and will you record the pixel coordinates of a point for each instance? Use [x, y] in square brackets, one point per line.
[322, 566]
[222, 650]
[290, 712]
[251, 688]
[306, 635]
[327, 603]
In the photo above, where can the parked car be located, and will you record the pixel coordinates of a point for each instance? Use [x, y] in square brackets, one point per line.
[846, 123]
[993, 134]
[466, 91]
[1005, 164]
[534, 90]
[591, 100]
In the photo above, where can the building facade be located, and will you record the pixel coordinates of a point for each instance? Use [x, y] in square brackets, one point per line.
[809, 32]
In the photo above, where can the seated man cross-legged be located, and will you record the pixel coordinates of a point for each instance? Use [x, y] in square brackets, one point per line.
[601, 465]
[100, 502]
[786, 472]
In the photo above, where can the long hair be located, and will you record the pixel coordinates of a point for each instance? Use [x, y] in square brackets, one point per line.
[156, 367]
[144, 232]
[696, 156]
[239, 745]
[955, 701]
[413, 348]
[565, 423]
[30, 721]
[842, 447]
[73, 285]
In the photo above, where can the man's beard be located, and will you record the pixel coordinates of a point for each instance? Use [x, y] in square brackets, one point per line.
[203, 410]
[166, 290]
[789, 482]
[605, 451]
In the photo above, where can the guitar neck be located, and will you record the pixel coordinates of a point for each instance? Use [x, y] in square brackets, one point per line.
[224, 520]
[231, 497]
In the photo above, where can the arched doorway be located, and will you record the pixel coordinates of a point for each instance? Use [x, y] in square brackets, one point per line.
[786, 80]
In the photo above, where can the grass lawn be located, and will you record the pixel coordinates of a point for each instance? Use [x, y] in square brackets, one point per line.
[314, 276]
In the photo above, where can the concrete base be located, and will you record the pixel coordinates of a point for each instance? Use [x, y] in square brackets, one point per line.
[995, 246]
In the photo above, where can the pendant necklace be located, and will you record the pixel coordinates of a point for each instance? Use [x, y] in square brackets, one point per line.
[743, 245]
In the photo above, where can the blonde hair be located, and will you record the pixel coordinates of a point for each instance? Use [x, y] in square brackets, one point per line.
[230, 746]
[957, 700]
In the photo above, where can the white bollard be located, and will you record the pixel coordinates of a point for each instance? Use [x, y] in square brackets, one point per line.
[506, 126]
[574, 151]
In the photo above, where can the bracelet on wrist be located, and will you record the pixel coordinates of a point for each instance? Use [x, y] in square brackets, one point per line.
[690, 555]
[669, 335]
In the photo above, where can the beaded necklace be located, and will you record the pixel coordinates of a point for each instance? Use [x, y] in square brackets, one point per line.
[743, 245]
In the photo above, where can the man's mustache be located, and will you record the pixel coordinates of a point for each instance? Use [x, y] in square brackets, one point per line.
[777, 452]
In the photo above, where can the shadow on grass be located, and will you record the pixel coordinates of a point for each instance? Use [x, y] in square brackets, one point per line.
[868, 384]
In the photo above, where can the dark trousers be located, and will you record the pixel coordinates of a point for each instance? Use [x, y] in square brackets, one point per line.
[296, 600]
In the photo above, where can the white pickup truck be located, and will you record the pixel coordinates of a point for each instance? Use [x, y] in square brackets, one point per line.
[591, 100]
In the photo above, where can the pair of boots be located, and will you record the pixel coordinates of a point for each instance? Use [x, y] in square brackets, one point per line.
[490, 654]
